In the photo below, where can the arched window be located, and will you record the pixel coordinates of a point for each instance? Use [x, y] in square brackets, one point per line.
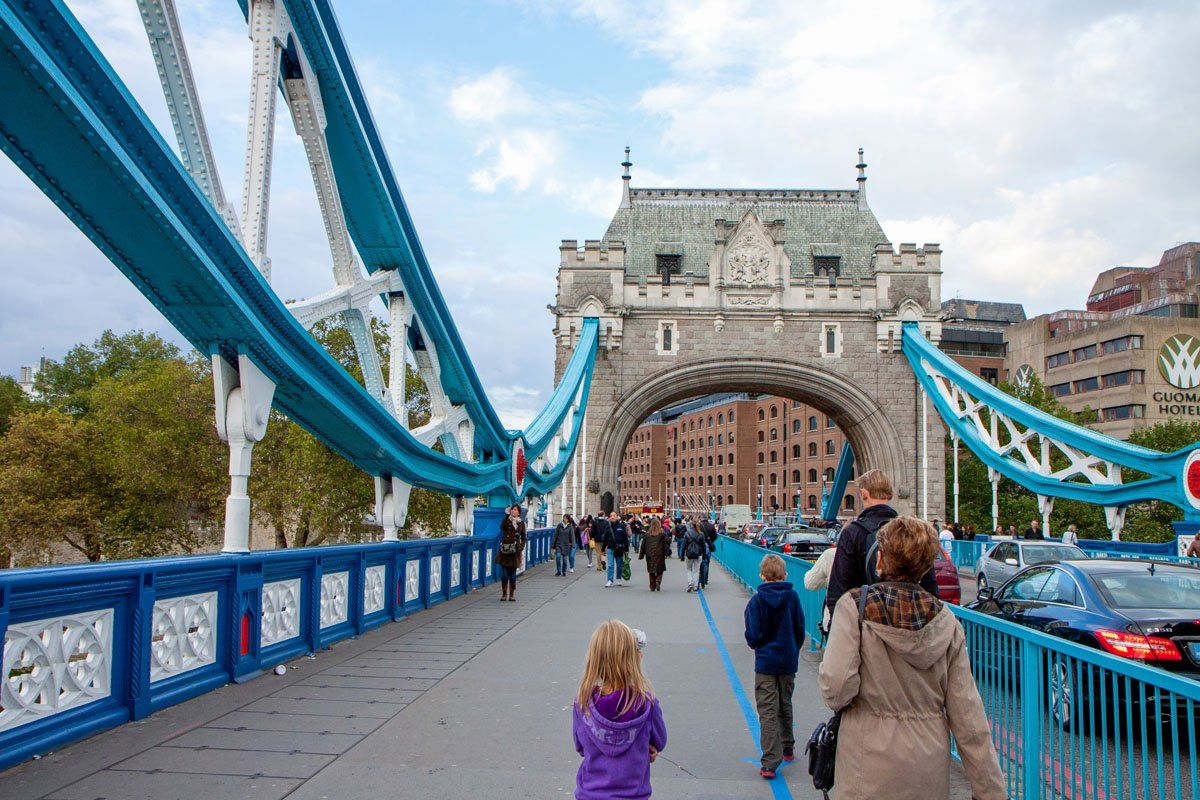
[720, 419]
[849, 502]
[729, 480]
[796, 453]
[829, 474]
[761, 415]
[796, 477]
[774, 456]
[692, 481]
[774, 434]
[812, 449]
[812, 476]
[710, 422]
[829, 448]
[731, 422]
[691, 463]
[692, 425]
[710, 461]
[812, 501]
[710, 441]
[731, 459]
[761, 436]
[720, 480]
[731, 437]
[796, 426]
[812, 423]
[720, 459]
[774, 482]
[730, 500]
[760, 458]
[720, 438]
[829, 423]
[774, 504]
[774, 412]
[710, 480]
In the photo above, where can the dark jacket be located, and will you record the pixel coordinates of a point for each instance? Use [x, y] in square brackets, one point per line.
[1030, 533]
[849, 564]
[618, 539]
[656, 549]
[601, 531]
[512, 532]
[564, 537]
[710, 533]
[695, 545]
[775, 628]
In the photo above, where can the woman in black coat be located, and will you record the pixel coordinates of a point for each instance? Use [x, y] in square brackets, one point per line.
[656, 549]
[564, 545]
[512, 552]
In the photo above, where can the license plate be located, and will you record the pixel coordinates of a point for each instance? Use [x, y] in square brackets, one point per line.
[1194, 647]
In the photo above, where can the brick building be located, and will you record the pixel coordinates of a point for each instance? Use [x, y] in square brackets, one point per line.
[735, 448]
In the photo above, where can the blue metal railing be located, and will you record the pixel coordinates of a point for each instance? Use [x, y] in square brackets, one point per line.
[742, 561]
[1068, 721]
[90, 646]
[966, 554]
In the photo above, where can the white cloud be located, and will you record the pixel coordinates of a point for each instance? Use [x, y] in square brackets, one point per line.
[523, 158]
[489, 97]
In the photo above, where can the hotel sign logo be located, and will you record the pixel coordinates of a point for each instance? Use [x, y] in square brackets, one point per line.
[1179, 361]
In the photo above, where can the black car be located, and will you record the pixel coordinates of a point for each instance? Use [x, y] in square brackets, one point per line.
[768, 536]
[1147, 611]
[802, 542]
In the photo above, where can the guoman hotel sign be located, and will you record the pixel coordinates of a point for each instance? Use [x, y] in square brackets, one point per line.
[1179, 365]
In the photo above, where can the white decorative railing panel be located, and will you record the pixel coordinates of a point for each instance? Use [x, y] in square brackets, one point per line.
[455, 569]
[55, 664]
[435, 575]
[474, 566]
[280, 611]
[412, 580]
[373, 591]
[183, 634]
[335, 598]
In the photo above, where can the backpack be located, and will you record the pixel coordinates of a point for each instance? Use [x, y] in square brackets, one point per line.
[694, 548]
[871, 560]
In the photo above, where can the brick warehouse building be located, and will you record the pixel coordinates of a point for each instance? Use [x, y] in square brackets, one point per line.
[735, 448]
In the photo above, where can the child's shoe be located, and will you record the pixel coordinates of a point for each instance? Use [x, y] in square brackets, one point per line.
[789, 754]
[767, 774]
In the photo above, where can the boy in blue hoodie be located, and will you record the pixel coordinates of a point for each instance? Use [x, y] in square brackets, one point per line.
[775, 629]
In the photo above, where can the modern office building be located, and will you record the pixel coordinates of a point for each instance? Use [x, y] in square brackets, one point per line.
[1133, 356]
[973, 335]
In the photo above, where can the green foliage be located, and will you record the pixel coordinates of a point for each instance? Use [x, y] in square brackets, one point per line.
[67, 385]
[13, 400]
[1144, 522]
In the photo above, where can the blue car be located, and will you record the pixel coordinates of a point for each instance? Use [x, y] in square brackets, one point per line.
[1147, 611]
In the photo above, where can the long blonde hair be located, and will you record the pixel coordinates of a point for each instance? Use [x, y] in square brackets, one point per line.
[614, 663]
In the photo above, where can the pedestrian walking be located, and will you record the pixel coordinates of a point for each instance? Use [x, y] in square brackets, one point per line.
[637, 529]
[512, 552]
[775, 630]
[817, 578]
[601, 531]
[856, 543]
[709, 530]
[694, 548]
[656, 549]
[1071, 535]
[616, 545]
[680, 530]
[617, 722]
[585, 537]
[564, 545]
[897, 668]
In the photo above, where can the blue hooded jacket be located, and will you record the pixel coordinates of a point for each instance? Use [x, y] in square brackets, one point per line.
[775, 628]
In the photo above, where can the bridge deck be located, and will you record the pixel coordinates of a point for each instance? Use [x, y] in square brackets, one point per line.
[468, 699]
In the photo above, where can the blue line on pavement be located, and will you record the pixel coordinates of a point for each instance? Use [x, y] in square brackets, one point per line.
[779, 787]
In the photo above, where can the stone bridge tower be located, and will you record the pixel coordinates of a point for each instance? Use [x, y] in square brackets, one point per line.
[794, 292]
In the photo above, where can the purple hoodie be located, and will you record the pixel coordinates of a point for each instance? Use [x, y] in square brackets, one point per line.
[616, 747]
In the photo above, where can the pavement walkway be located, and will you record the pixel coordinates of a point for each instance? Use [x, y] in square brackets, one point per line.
[469, 699]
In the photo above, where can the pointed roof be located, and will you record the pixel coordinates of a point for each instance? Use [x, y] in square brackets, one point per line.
[682, 222]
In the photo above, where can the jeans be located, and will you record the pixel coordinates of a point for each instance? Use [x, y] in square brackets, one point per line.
[614, 561]
[693, 572]
[704, 562]
[773, 696]
[508, 573]
[571, 555]
[560, 562]
[679, 548]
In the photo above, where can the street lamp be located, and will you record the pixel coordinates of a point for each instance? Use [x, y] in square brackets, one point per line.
[710, 505]
[760, 508]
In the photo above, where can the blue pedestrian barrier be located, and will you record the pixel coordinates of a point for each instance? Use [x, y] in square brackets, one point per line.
[90, 646]
[1068, 721]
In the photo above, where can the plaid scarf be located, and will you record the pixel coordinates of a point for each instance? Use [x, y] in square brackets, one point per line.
[899, 605]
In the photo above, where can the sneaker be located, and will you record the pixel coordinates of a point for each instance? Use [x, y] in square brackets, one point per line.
[767, 774]
[789, 754]
[572, 570]
[608, 585]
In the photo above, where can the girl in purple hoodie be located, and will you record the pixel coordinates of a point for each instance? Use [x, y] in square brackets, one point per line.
[618, 723]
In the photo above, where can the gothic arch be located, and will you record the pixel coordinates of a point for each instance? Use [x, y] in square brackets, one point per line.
[865, 423]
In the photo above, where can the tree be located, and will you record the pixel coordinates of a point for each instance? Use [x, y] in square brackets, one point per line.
[13, 400]
[65, 385]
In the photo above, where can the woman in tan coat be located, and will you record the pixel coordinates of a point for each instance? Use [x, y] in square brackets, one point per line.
[904, 682]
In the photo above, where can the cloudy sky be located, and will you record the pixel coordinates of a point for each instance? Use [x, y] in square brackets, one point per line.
[1038, 142]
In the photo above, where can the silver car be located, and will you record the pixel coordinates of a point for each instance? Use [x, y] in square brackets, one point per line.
[1006, 559]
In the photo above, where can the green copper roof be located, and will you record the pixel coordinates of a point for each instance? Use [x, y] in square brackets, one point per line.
[683, 222]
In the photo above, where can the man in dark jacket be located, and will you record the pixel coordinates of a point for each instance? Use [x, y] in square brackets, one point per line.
[616, 543]
[1034, 531]
[855, 543]
[775, 629]
[601, 533]
[710, 533]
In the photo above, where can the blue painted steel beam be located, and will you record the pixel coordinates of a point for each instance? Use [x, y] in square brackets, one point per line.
[1165, 470]
[71, 125]
[833, 500]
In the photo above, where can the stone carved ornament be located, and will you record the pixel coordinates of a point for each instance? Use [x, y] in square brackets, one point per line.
[748, 260]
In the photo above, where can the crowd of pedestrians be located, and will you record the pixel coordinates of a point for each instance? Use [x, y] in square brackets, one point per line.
[895, 665]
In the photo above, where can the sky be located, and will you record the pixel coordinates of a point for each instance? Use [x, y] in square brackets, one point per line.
[1038, 143]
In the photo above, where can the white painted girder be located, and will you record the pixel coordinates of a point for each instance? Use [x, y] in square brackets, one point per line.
[260, 133]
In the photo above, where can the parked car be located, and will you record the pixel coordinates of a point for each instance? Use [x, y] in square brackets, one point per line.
[768, 536]
[751, 531]
[1140, 610]
[948, 587]
[807, 543]
[1006, 559]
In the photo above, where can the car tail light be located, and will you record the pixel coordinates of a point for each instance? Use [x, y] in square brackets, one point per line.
[1134, 645]
[787, 548]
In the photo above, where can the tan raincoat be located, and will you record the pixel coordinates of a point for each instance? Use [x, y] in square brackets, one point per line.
[911, 688]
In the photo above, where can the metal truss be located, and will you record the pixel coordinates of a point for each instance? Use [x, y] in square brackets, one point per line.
[1047, 455]
[832, 502]
[165, 222]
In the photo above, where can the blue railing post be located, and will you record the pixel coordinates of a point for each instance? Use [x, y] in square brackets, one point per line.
[244, 619]
[1032, 702]
[358, 579]
[311, 611]
[141, 621]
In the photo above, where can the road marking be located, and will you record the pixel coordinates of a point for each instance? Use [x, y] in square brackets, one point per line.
[779, 787]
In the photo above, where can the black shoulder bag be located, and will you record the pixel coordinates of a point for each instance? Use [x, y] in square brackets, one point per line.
[822, 745]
